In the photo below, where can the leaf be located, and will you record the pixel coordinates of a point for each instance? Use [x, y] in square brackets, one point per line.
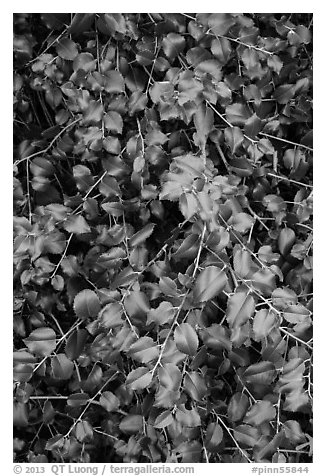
[274, 62]
[81, 22]
[163, 420]
[110, 23]
[283, 298]
[137, 102]
[144, 350]
[109, 187]
[172, 45]
[41, 341]
[55, 443]
[139, 378]
[94, 379]
[241, 222]
[237, 114]
[300, 34]
[195, 386]
[110, 316]
[216, 337]
[113, 122]
[234, 138]
[114, 82]
[221, 49]
[109, 401]
[186, 339]
[284, 93]
[84, 61]
[83, 177]
[238, 406]
[42, 167]
[261, 373]
[253, 126]
[260, 413]
[86, 304]
[187, 418]
[75, 343]
[170, 376]
[214, 437]
[220, 23]
[76, 224]
[22, 372]
[78, 399]
[141, 235]
[241, 166]
[131, 424]
[264, 322]
[62, 367]
[246, 435]
[67, 49]
[188, 204]
[163, 314]
[84, 431]
[210, 282]
[203, 120]
[297, 314]
[286, 240]
[240, 308]
[161, 91]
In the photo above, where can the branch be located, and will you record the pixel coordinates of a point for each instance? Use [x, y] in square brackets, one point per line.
[286, 141]
[44, 151]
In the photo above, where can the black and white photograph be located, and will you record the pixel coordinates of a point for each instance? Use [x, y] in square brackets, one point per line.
[162, 240]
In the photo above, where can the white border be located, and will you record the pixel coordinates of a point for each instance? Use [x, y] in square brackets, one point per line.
[319, 185]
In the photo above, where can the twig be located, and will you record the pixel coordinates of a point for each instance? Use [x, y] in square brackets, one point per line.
[188, 16]
[28, 193]
[286, 141]
[204, 447]
[58, 342]
[233, 439]
[276, 311]
[223, 157]
[132, 327]
[44, 151]
[170, 332]
[89, 403]
[199, 250]
[62, 257]
[48, 397]
[289, 180]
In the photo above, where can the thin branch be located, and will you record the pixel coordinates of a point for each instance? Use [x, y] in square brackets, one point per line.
[89, 403]
[44, 151]
[28, 195]
[286, 141]
[233, 439]
[199, 250]
[170, 332]
[290, 180]
[62, 257]
[132, 327]
[58, 342]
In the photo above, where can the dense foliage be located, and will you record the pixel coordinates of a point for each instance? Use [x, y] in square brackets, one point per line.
[163, 237]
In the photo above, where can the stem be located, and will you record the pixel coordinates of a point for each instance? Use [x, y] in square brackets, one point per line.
[289, 180]
[233, 439]
[44, 151]
[169, 333]
[58, 342]
[286, 141]
[62, 257]
[89, 403]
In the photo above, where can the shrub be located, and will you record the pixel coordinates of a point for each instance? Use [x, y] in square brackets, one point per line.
[163, 237]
